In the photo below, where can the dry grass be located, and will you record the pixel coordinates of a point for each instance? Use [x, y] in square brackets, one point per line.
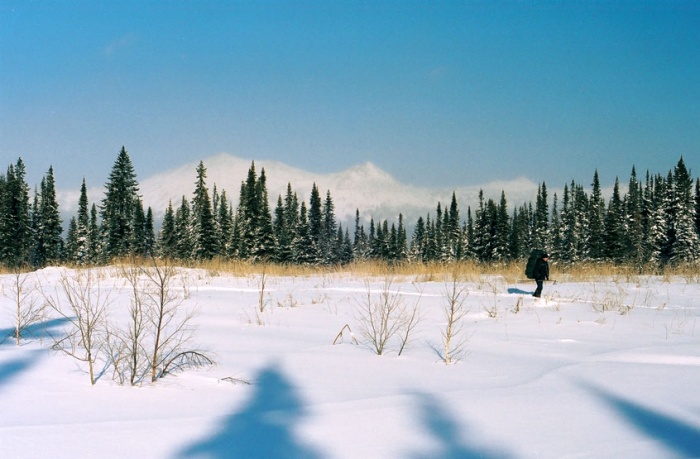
[511, 272]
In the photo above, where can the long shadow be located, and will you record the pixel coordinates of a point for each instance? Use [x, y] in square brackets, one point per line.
[13, 368]
[448, 433]
[676, 435]
[517, 291]
[263, 428]
[39, 330]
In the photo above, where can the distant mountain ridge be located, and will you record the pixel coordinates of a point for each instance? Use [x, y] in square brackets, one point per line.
[365, 187]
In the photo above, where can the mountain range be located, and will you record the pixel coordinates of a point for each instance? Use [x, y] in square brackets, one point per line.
[365, 187]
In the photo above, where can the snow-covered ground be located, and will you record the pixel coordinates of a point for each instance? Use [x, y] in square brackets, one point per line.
[559, 378]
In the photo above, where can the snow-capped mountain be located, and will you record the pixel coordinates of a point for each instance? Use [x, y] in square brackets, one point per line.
[365, 187]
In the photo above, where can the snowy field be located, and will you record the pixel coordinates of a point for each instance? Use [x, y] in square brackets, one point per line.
[559, 378]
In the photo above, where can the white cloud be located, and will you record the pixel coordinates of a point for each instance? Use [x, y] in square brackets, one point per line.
[119, 44]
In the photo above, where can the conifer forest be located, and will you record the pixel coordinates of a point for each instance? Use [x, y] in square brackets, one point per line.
[650, 222]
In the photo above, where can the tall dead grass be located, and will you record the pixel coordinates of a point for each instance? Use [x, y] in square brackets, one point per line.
[511, 272]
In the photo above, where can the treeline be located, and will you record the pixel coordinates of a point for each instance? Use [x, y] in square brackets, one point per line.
[655, 221]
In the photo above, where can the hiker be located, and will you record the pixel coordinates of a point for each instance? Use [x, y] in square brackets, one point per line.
[540, 273]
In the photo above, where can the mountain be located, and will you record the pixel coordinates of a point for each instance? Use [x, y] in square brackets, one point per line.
[365, 187]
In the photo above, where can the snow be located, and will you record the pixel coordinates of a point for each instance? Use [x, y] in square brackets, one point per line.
[559, 378]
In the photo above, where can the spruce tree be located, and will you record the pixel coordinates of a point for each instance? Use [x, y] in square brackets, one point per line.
[303, 244]
[118, 207]
[541, 218]
[634, 221]
[138, 230]
[615, 227]
[95, 248]
[48, 242]
[418, 241]
[70, 252]
[359, 244]
[596, 221]
[203, 226]
[167, 238]
[264, 246]
[555, 229]
[567, 248]
[224, 221]
[16, 235]
[661, 233]
[183, 231]
[329, 243]
[686, 242]
[697, 205]
[502, 230]
[315, 216]
[149, 233]
[286, 218]
[82, 229]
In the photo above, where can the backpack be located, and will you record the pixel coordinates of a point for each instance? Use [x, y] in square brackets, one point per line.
[535, 256]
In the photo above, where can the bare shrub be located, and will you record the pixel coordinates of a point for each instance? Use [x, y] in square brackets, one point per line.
[454, 337]
[27, 310]
[384, 318]
[86, 314]
[126, 346]
[156, 338]
[170, 328]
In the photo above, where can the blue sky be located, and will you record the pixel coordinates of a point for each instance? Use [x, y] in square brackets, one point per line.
[435, 93]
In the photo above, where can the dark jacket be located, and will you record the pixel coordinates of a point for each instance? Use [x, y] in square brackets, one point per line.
[541, 271]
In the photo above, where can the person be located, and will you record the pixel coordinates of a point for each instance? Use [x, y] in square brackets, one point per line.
[541, 273]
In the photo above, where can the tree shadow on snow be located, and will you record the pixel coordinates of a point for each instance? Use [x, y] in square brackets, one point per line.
[449, 434]
[517, 291]
[678, 436]
[39, 330]
[15, 367]
[263, 428]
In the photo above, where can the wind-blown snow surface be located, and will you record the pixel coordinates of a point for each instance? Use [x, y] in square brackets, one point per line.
[559, 378]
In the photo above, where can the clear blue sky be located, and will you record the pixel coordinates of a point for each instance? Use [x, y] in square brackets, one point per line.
[435, 93]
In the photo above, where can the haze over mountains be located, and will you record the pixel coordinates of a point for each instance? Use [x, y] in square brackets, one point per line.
[365, 187]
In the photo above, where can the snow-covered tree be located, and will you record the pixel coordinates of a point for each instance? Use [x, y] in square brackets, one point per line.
[118, 207]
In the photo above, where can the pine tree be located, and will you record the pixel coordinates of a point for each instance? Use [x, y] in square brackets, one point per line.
[541, 218]
[118, 207]
[167, 239]
[685, 246]
[138, 226]
[203, 227]
[418, 241]
[596, 221]
[315, 216]
[82, 229]
[634, 221]
[556, 234]
[359, 245]
[149, 234]
[615, 227]
[401, 248]
[95, 247]
[303, 244]
[71, 249]
[697, 205]
[660, 230]
[329, 243]
[46, 225]
[16, 236]
[264, 247]
[183, 231]
[224, 220]
[502, 230]
[286, 218]
[567, 249]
